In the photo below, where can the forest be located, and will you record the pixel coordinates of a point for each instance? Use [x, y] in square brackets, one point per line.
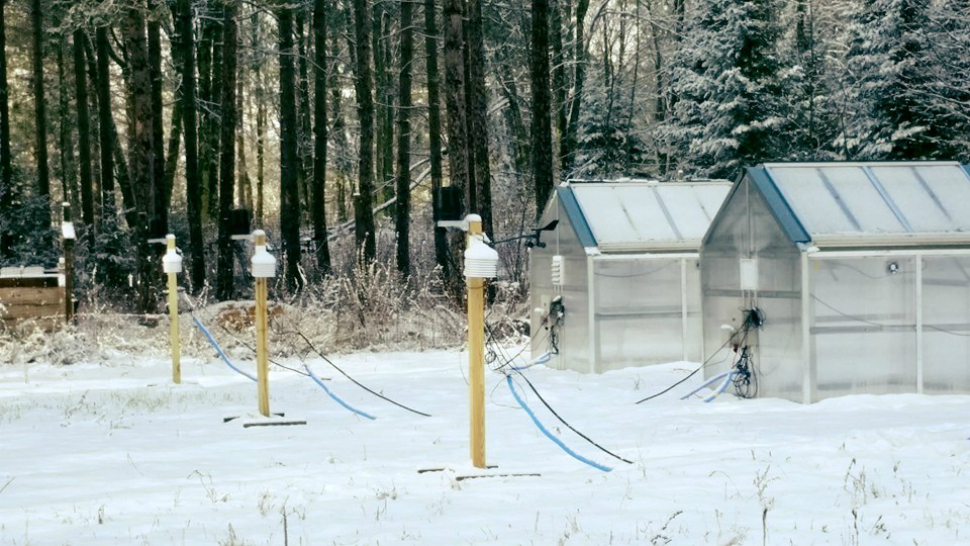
[333, 123]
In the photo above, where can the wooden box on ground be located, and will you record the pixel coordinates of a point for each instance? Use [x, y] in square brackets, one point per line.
[27, 294]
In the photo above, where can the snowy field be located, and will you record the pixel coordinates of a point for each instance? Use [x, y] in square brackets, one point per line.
[112, 453]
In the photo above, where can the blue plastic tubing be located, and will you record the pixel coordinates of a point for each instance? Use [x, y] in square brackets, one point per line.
[549, 435]
[219, 349]
[336, 398]
[705, 385]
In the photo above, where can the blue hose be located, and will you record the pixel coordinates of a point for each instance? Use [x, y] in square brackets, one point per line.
[219, 349]
[549, 435]
[544, 358]
[336, 399]
[722, 388]
[705, 385]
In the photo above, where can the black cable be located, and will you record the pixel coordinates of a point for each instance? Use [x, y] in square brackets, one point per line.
[691, 374]
[193, 309]
[354, 381]
[532, 387]
[563, 421]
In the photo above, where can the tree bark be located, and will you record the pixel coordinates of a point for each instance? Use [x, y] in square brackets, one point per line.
[83, 136]
[193, 186]
[304, 139]
[567, 143]
[158, 224]
[260, 121]
[318, 206]
[455, 96]
[541, 98]
[434, 125]
[290, 163]
[478, 110]
[6, 172]
[227, 161]
[105, 126]
[363, 200]
[558, 69]
[386, 94]
[65, 145]
[141, 150]
[40, 103]
[403, 203]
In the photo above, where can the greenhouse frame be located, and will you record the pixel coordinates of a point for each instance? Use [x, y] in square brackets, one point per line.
[861, 272]
[616, 282]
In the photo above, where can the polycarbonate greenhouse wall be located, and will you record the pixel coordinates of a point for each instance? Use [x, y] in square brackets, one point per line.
[863, 275]
[630, 279]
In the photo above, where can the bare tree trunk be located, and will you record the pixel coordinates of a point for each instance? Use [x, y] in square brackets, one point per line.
[403, 203]
[83, 135]
[65, 145]
[141, 149]
[193, 186]
[158, 225]
[455, 96]
[386, 93]
[363, 207]
[434, 125]
[6, 172]
[319, 209]
[568, 141]
[290, 163]
[260, 122]
[105, 126]
[40, 103]
[541, 98]
[227, 175]
[338, 135]
[558, 70]
[478, 110]
[304, 146]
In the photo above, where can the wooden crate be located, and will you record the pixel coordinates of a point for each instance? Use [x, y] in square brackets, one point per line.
[30, 297]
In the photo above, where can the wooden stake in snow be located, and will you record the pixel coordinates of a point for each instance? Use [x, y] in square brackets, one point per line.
[481, 262]
[264, 267]
[172, 266]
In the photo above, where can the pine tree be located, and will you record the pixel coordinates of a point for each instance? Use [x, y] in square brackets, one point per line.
[725, 80]
[891, 59]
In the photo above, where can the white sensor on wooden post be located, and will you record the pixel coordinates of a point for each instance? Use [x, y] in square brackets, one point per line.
[172, 266]
[264, 267]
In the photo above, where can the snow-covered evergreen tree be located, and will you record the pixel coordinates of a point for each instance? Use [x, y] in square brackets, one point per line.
[894, 72]
[811, 123]
[726, 81]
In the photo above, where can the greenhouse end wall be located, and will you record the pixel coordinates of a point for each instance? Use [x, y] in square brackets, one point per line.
[745, 230]
[573, 336]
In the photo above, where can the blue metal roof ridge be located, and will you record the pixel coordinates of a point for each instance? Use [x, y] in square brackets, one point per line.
[966, 168]
[576, 217]
[761, 178]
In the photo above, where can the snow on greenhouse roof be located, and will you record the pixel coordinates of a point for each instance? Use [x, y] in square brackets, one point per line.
[634, 216]
[865, 204]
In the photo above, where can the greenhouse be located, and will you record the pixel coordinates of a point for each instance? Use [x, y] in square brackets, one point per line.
[615, 280]
[860, 271]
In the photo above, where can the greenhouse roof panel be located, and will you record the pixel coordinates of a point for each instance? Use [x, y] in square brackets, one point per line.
[637, 216]
[878, 203]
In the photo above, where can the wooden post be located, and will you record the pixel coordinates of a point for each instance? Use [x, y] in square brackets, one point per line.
[67, 232]
[173, 315]
[262, 359]
[476, 357]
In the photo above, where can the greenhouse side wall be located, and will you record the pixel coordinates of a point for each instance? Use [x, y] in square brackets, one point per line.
[863, 325]
[946, 324]
[639, 311]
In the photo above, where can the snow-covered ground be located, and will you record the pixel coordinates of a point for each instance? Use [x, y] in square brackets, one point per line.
[112, 453]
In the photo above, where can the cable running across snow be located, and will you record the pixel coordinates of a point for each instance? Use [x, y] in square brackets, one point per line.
[354, 381]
